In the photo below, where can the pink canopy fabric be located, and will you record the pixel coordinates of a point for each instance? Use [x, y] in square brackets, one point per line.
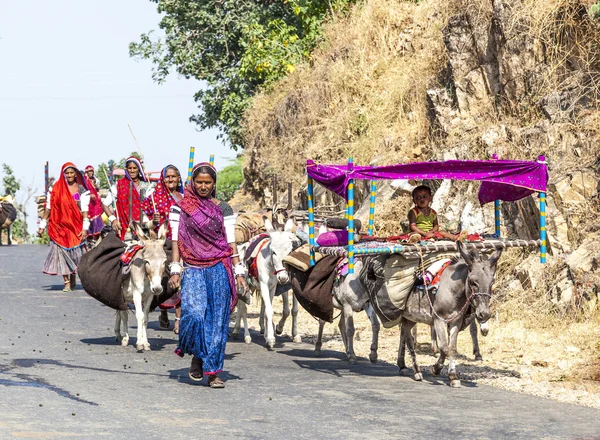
[507, 180]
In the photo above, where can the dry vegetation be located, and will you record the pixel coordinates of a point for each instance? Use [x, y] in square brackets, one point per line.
[365, 94]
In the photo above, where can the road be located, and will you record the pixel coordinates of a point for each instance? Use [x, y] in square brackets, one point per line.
[63, 376]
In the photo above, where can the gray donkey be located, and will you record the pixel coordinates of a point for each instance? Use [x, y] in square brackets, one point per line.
[143, 282]
[464, 286]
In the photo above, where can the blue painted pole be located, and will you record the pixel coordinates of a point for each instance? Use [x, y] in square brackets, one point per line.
[350, 218]
[372, 207]
[311, 221]
[543, 236]
[496, 210]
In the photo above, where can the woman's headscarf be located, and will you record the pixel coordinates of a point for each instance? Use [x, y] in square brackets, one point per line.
[123, 189]
[161, 198]
[66, 220]
[202, 238]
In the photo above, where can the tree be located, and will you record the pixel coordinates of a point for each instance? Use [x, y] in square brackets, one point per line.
[229, 179]
[235, 47]
[9, 181]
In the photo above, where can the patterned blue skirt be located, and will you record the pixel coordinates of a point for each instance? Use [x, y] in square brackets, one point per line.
[205, 300]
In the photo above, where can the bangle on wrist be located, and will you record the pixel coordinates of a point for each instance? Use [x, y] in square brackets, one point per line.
[111, 218]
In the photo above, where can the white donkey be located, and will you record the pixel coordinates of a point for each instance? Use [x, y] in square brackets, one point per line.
[144, 280]
[272, 273]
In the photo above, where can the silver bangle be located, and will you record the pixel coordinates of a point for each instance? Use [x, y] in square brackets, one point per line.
[175, 268]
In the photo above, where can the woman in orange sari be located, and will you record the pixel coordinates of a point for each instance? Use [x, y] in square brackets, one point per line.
[67, 223]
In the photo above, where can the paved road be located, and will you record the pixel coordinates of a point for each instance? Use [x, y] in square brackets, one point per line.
[63, 376]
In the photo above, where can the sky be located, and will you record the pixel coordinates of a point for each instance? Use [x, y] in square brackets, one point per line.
[69, 90]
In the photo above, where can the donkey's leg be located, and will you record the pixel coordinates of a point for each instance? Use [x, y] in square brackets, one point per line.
[121, 327]
[441, 333]
[475, 340]
[139, 315]
[261, 316]
[146, 304]
[247, 337]
[267, 297]
[407, 328]
[375, 327]
[286, 312]
[319, 342]
[238, 318]
[434, 343]
[402, 347]
[348, 319]
[295, 336]
[118, 335]
[9, 235]
[452, 375]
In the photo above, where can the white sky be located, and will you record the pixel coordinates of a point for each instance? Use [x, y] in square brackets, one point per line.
[68, 89]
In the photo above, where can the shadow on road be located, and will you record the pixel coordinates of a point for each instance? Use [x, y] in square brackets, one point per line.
[157, 344]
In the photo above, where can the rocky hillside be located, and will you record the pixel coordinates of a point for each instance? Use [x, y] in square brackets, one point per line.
[401, 81]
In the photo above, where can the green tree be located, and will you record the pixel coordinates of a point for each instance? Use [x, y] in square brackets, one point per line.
[229, 179]
[234, 47]
[9, 181]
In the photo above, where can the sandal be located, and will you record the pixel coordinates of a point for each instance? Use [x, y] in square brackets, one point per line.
[196, 372]
[215, 381]
[176, 326]
[67, 287]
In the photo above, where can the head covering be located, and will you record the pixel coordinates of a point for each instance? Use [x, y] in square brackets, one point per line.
[161, 199]
[136, 161]
[211, 170]
[89, 168]
[66, 220]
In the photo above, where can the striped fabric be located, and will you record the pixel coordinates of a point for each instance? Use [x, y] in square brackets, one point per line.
[61, 261]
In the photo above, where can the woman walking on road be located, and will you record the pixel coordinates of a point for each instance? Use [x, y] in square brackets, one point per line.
[157, 206]
[131, 191]
[68, 224]
[205, 239]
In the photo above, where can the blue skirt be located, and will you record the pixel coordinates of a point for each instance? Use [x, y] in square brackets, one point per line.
[205, 300]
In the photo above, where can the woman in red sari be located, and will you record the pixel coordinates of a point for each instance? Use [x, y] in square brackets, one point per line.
[157, 206]
[67, 223]
[131, 191]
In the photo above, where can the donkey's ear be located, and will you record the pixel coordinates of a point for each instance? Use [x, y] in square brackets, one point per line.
[493, 260]
[137, 228]
[268, 225]
[162, 231]
[289, 225]
[465, 254]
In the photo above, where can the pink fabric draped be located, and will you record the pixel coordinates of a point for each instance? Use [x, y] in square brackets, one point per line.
[507, 180]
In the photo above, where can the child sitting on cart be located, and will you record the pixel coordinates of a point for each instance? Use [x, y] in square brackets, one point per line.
[423, 219]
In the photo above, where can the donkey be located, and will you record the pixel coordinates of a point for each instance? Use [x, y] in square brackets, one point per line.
[8, 214]
[144, 281]
[272, 273]
[347, 307]
[464, 284]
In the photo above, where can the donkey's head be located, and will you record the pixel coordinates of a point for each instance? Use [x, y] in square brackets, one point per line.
[480, 278]
[154, 256]
[282, 243]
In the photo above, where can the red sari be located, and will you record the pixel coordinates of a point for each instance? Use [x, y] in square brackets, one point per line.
[125, 188]
[162, 200]
[66, 220]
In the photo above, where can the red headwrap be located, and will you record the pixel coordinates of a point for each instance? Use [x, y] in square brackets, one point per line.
[66, 221]
[89, 168]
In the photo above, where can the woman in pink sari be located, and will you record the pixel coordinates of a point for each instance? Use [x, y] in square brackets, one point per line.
[206, 247]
